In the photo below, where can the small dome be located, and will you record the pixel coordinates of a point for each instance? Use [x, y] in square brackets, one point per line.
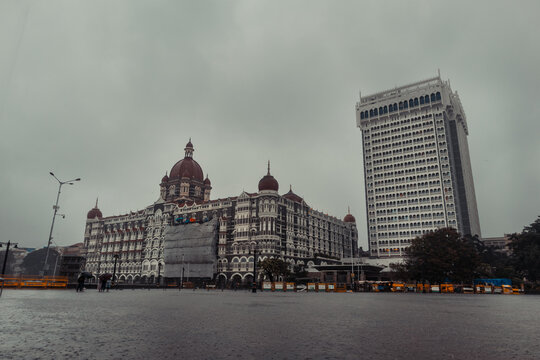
[349, 219]
[165, 178]
[94, 213]
[292, 196]
[189, 144]
[268, 182]
[207, 181]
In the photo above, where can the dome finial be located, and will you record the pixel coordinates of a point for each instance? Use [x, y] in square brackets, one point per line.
[268, 168]
[348, 209]
[290, 187]
[97, 201]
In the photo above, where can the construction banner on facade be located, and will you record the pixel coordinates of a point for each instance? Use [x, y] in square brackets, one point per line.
[191, 247]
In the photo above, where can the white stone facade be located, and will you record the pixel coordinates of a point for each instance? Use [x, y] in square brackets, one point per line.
[417, 169]
[265, 224]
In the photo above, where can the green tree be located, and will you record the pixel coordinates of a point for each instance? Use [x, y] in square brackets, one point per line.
[441, 255]
[526, 251]
[274, 268]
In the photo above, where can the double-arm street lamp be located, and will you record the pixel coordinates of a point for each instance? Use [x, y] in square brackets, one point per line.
[55, 207]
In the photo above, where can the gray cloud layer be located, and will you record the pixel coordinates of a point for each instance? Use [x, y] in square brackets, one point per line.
[111, 92]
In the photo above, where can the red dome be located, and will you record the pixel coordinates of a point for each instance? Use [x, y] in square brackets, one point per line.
[268, 182]
[292, 196]
[349, 219]
[187, 167]
[207, 181]
[94, 213]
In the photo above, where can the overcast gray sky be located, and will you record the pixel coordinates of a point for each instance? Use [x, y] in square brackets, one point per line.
[110, 91]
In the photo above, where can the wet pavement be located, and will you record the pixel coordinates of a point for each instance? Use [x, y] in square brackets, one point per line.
[172, 324]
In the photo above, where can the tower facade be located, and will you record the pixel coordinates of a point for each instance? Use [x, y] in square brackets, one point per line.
[417, 168]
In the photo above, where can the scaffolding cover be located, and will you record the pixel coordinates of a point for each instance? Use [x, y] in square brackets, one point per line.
[193, 247]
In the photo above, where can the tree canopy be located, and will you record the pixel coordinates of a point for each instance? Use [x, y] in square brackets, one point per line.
[274, 268]
[526, 251]
[442, 255]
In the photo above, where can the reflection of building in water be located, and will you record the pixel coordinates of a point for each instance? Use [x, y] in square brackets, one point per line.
[273, 225]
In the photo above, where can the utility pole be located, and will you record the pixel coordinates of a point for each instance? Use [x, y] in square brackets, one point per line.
[8, 244]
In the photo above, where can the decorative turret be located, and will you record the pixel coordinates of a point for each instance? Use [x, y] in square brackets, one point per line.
[189, 149]
[292, 196]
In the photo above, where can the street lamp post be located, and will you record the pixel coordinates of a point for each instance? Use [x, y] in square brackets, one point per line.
[55, 207]
[254, 286]
[8, 244]
[159, 274]
[114, 269]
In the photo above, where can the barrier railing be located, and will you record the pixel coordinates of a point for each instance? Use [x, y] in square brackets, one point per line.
[36, 282]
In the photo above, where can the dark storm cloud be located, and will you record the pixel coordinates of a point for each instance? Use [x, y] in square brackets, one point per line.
[111, 92]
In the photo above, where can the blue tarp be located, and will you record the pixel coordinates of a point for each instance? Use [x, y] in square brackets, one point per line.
[495, 282]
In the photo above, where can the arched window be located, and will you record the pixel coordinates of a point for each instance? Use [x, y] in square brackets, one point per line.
[421, 100]
[362, 115]
[385, 109]
[391, 108]
[426, 99]
[432, 97]
[405, 106]
[375, 112]
[415, 101]
[381, 111]
[438, 95]
[400, 105]
[371, 113]
[411, 103]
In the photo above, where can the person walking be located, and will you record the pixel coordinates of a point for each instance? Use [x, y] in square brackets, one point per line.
[103, 285]
[108, 285]
[80, 284]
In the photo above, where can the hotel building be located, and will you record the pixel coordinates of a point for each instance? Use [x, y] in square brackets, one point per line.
[417, 168]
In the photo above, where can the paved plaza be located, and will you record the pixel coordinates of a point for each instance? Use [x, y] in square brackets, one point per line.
[172, 324]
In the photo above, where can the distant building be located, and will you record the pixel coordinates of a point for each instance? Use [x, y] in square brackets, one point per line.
[417, 168]
[279, 226]
[72, 261]
[499, 244]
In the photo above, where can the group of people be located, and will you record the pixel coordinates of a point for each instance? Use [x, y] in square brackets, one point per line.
[104, 285]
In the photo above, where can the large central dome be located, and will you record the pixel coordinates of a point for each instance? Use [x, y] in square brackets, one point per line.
[187, 167]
